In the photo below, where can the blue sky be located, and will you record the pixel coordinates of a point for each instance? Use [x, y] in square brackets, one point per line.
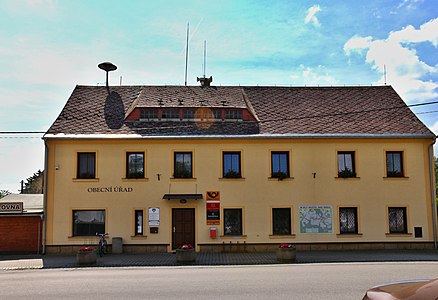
[48, 46]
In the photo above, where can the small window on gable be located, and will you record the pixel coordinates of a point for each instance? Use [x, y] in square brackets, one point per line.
[148, 114]
[217, 114]
[189, 114]
[233, 114]
[198, 114]
[170, 114]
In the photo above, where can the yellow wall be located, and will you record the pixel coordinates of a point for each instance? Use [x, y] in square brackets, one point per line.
[256, 193]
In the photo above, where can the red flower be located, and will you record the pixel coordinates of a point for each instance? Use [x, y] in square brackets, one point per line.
[86, 249]
[286, 246]
[188, 246]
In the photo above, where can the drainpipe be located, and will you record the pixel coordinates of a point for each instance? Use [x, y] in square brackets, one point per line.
[432, 192]
[46, 171]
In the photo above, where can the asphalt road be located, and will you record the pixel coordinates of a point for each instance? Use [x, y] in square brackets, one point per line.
[306, 281]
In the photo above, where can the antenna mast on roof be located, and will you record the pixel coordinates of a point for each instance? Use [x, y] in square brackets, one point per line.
[384, 72]
[205, 55]
[187, 54]
[205, 82]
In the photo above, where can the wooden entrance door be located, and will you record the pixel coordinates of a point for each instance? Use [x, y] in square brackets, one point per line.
[183, 227]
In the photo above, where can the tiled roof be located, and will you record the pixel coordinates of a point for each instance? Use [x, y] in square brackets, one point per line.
[32, 203]
[191, 96]
[279, 110]
[333, 110]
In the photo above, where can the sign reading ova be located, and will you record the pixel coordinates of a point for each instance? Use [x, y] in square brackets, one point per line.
[11, 207]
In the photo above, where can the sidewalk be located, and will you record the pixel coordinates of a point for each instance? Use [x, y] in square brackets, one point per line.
[17, 262]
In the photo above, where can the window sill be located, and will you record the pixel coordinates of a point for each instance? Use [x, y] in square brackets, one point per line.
[85, 179]
[84, 237]
[138, 237]
[347, 178]
[349, 235]
[277, 179]
[135, 179]
[174, 179]
[290, 236]
[231, 179]
[396, 178]
[398, 234]
[233, 236]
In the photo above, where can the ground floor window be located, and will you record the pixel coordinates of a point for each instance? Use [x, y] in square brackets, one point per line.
[281, 221]
[348, 220]
[139, 222]
[88, 222]
[397, 220]
[233, 221]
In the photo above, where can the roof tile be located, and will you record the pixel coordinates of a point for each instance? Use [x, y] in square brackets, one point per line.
[279, 110]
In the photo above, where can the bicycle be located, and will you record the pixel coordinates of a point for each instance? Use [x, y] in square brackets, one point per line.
[103, 244]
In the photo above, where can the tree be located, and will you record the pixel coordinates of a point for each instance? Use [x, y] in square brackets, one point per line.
[4, 193]
[34, 184]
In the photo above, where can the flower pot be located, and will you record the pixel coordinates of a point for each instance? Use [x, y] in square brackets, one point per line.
[286, 254]
[185, 255]
[86, 258]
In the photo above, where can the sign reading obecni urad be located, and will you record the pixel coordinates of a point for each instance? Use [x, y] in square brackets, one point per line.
[316, 219]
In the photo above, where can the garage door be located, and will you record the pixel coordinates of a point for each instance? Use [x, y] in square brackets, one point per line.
[20, 234]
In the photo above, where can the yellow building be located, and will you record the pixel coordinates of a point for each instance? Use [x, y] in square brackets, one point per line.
[238, 169]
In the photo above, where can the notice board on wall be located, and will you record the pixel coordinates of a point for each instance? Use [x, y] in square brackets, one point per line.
[316, 219]
[154, 216]
[213, 208]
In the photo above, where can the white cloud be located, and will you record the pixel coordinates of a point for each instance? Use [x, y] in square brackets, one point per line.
[405, 69]
[36, 61]
[311, 15]
[428, 32]
[313, 76]
[357, 44]
[409, 4]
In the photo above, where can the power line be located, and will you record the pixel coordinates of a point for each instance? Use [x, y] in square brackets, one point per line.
[426, 112]
[421, 104]
[20, 137]
[22, 132]
[348, 113]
